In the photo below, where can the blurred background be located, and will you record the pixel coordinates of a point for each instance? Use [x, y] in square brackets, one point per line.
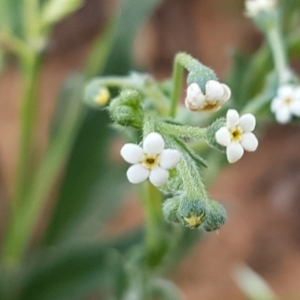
[260, 193]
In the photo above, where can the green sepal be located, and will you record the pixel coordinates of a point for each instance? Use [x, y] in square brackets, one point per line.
[127, 110]
[170, 209]
[216, 216]
[198, 73]
[211, 134]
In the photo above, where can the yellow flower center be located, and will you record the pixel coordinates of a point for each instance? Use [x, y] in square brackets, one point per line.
[236, 133]
[288, 100]
[207, 106]
[102, 97]
[194, 220]
[150, 161]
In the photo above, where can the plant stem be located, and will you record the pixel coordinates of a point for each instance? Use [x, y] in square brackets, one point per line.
[183, 131]
[177, 80]
[28, 125]
[155, 242]
[278, 50]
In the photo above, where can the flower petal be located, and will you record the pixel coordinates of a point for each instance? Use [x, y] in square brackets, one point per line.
[223, 136]
[295, 108]
[247, 122]
[169, 158]
[283, 115]
[232, 118]
[132, 153]
[285, 91]
[249, 141]
[137, 173]
[153, 143]
[193, 90]
[276, 104]
[234, 152]
[158, 176]
[226, 92]
[214, 90]
[195, 98]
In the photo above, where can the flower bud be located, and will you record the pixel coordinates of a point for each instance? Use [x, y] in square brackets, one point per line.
[211, 134]
[127, 110]
[96, 95]
[216, 216]
[192, 212]
[170, 208]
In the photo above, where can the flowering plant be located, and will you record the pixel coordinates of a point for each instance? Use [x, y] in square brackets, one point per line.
[179, 133]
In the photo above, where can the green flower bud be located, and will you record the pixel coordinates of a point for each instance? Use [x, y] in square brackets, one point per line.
[96, 95]
[211, 134]
[192, 212]
[170, 208]
[215, 217]
[127, 110]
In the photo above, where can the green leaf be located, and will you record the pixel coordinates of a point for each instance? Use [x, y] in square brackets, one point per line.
[72, 272]
[100, 51]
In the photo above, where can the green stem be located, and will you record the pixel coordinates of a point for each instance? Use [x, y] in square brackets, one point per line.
[31, 20]
[31, 71]
[182, 131]
[155, 242]
[177, 81]
[278, 50]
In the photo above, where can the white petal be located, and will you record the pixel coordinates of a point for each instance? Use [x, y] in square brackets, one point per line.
[226, 92]
[295, 108]
[234, 152]
[223, 136]
[193, 90]
[247, 122]
[276, 103]
[158, 176]
[232, 118]
[153, 143]
[194, 103]
[249, 141]
[297, 92]
[214, 90]
[132, 153]
[169, 158]
[285, 91]
[283, 115]
[137, 173]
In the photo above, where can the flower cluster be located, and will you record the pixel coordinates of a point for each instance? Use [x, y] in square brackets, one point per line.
[150, 161]
[216, 94]
[237, 135]
[286, 104]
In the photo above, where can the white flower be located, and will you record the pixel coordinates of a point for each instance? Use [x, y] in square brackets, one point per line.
[236, 136]
[216, 94]
[150, 161]
[286, 103]
[254, 7]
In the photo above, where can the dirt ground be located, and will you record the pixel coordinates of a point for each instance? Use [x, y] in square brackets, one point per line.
[260, 193]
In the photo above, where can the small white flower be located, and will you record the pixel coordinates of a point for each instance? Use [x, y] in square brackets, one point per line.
[150, 161]
[236, 136]
[286, 103]
[216, 94]
[254, 7]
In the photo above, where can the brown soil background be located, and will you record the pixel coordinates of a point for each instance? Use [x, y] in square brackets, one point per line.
[261, 192]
